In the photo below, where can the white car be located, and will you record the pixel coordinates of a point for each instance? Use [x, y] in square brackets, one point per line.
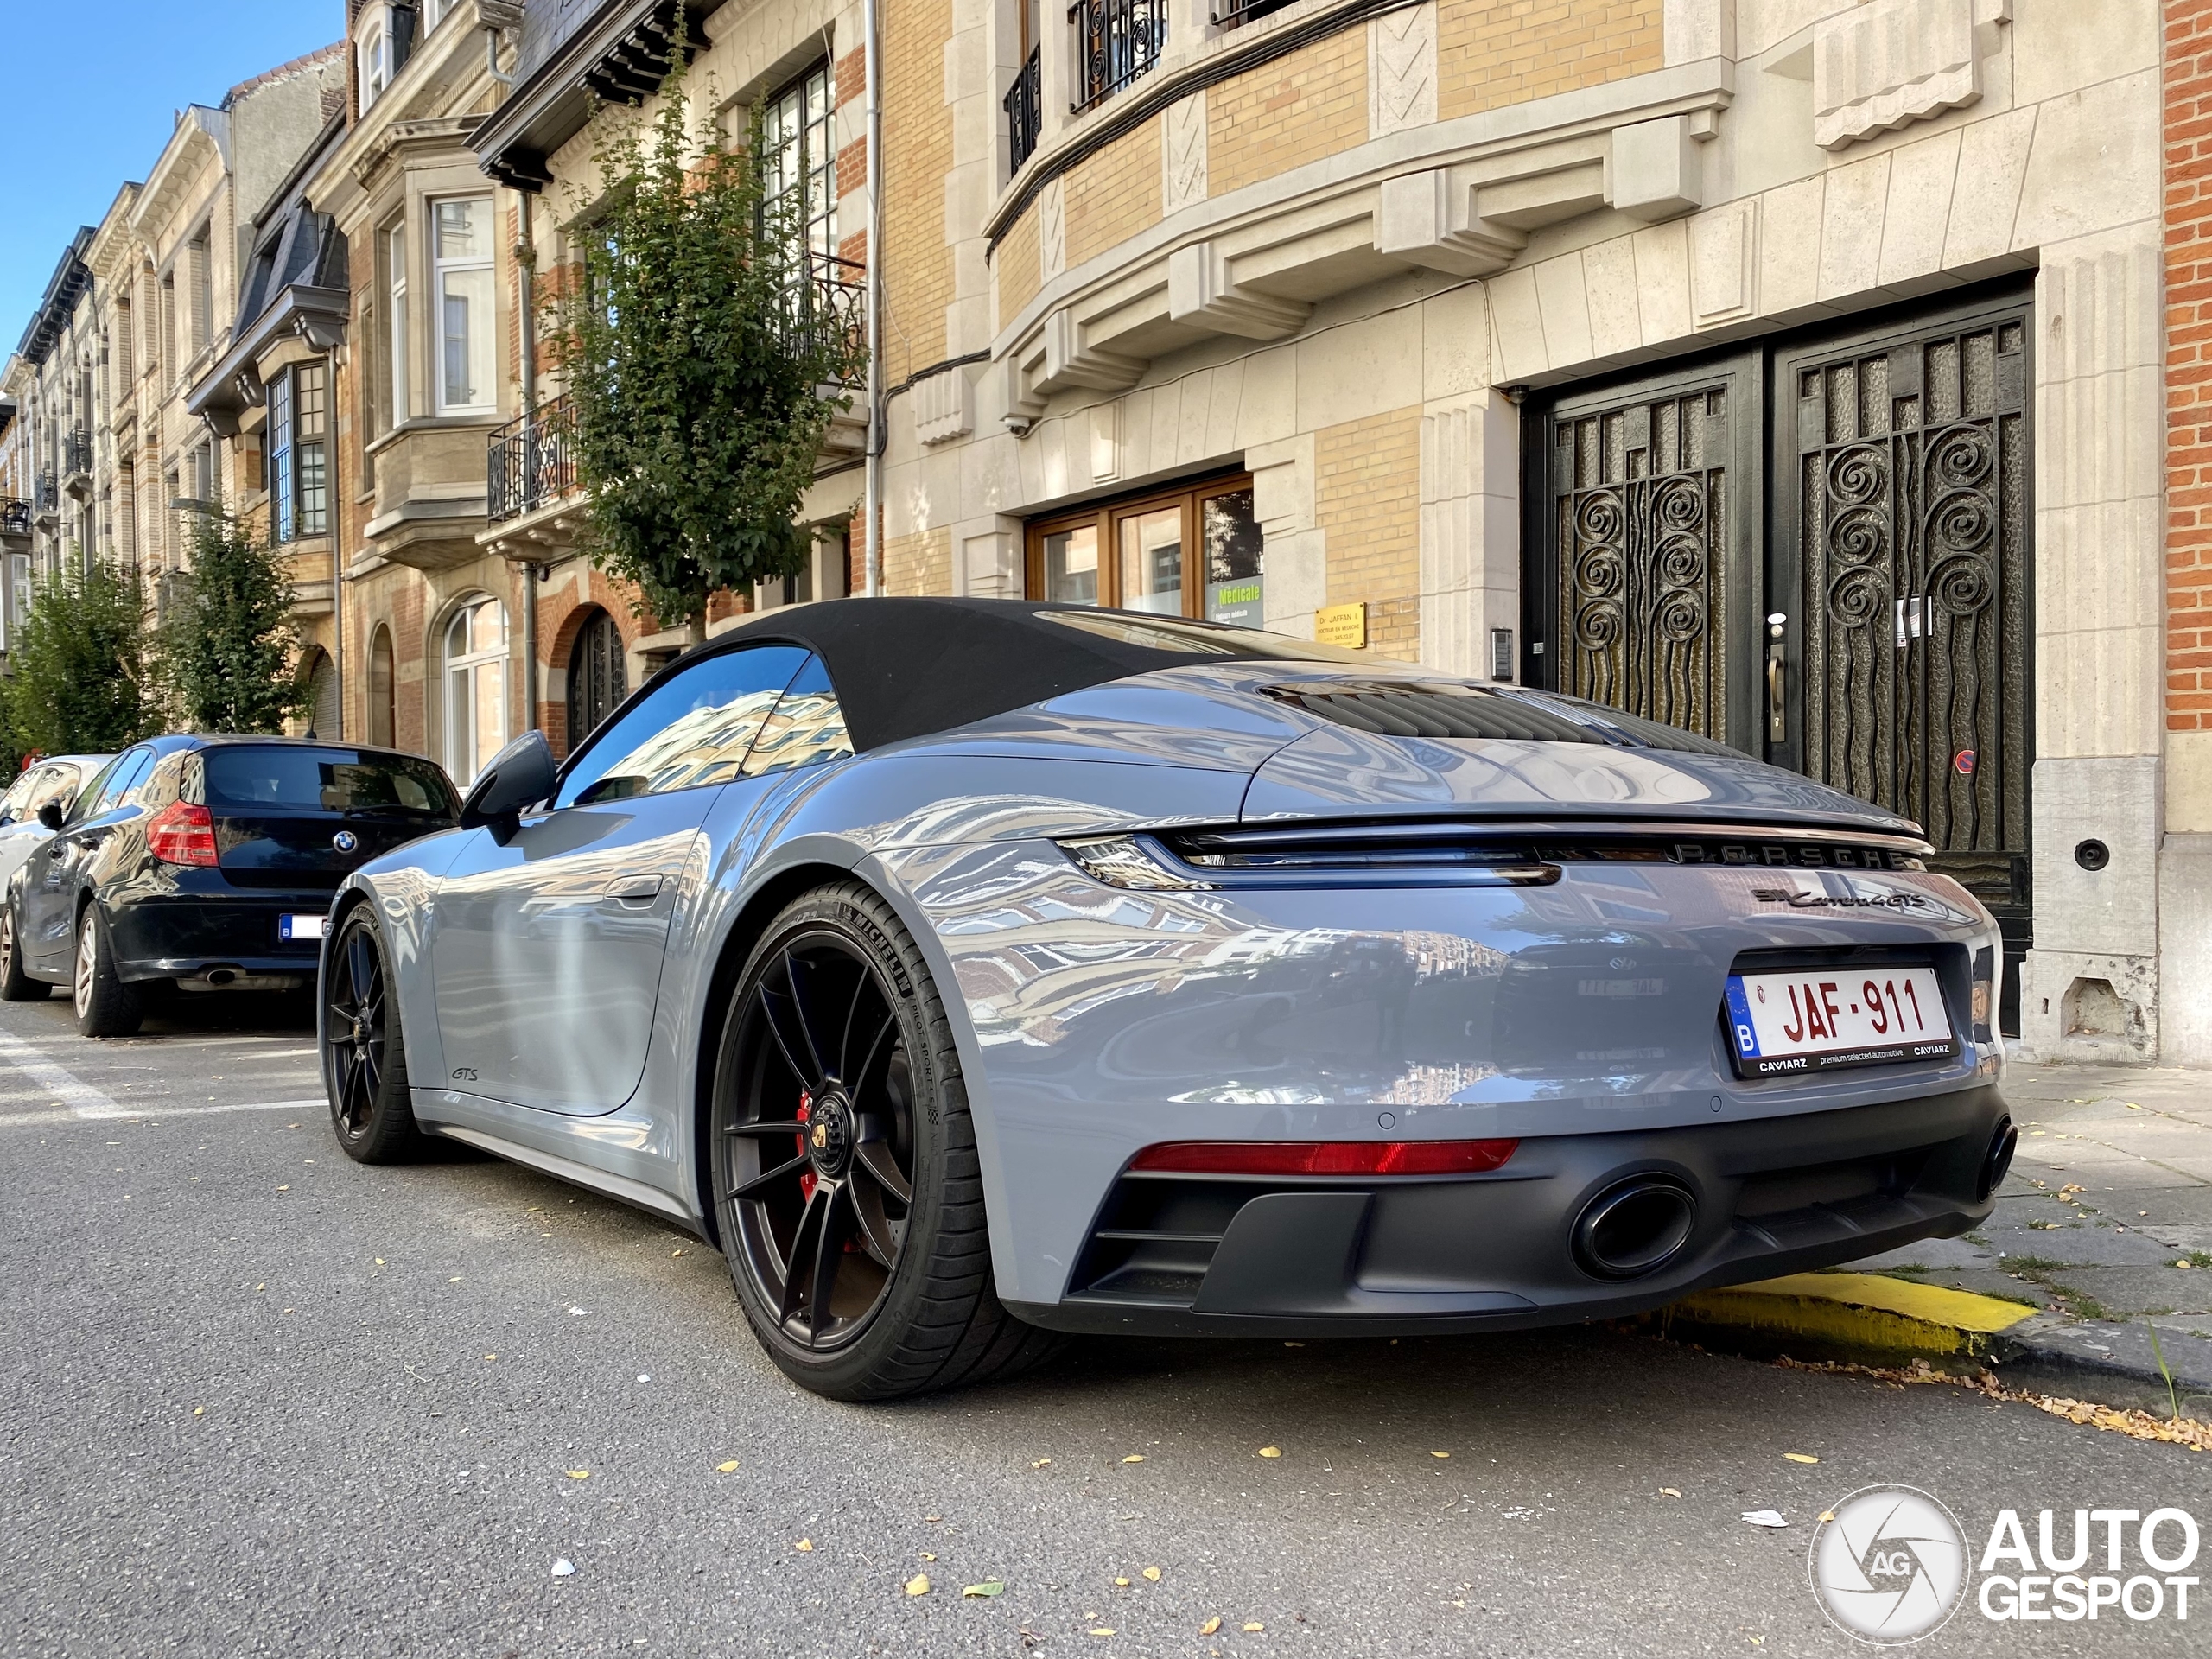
[57, 779]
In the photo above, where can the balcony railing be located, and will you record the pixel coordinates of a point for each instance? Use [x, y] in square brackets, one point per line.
[76, 453]
[1024, 100]
[532, 462]
[830, 304]
[1116, 41]
[1228, 14]
[46, 493]
[15, 516]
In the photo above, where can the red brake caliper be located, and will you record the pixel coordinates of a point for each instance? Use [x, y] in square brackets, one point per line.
[807, 1178]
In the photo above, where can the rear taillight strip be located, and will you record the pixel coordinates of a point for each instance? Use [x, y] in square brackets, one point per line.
[1322, 1158]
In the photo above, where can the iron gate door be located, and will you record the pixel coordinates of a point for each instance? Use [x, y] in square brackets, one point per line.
[1818, 552]
[1901, 537]
[1646, 591]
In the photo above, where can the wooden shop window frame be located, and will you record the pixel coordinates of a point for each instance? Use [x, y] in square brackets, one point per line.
[1108, 516]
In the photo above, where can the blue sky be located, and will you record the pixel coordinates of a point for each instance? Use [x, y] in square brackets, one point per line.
[89, 94]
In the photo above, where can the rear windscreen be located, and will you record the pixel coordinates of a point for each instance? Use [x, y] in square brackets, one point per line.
[324, 780]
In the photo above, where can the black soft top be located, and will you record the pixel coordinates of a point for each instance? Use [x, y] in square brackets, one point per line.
[913, 667]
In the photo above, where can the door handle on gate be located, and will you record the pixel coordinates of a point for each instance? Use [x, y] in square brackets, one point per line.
[1777, 698]
[634, 889]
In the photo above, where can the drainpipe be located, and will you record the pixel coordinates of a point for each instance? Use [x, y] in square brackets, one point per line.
[871, 28]
[526, 257]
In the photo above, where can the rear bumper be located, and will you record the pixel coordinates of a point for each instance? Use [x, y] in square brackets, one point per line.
[1494, 1252]
[185, 935]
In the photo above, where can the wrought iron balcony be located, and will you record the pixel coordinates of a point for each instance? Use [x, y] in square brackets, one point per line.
[532, 462]
[1116, 41]
[46, 493]
[830, 300]
[1024, 103]
[77, 454]
[15, 516]
[1228, 14]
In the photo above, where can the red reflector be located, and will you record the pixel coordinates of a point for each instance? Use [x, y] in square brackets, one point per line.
[1326, 1157]
[181, 833]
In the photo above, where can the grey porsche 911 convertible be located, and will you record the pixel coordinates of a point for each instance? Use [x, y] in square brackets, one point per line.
[974, 971]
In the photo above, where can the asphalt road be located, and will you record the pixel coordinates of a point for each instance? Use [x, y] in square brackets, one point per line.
[256, 1400]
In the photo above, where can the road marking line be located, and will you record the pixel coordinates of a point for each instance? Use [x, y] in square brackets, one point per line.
[135, 1114]
[82, 1099]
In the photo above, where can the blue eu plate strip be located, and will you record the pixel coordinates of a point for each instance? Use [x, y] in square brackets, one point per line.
[1739, 1020]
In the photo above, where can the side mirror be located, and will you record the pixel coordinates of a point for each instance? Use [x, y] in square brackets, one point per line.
[518, 776]
[50, 815]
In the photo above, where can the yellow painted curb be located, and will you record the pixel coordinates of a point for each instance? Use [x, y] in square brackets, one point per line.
[1859, 1310]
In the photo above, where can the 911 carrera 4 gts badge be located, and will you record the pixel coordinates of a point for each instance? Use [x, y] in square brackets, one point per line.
[346, 841]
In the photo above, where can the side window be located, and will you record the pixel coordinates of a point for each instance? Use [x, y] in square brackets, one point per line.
[17, 802]
[807, 726]
[693, 729]
[108, 789]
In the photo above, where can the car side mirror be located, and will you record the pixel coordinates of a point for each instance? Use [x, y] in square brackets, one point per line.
[518, 776]
[50, 815]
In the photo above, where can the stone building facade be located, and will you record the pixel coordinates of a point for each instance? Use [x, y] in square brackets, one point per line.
[1788, 369]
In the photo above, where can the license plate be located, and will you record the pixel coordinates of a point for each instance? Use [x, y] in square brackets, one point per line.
[1820, 1019]
[301, 927]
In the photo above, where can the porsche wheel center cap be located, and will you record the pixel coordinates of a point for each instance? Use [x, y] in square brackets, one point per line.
[829, 1134]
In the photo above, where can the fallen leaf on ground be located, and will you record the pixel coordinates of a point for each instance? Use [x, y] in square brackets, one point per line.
[1254, 1628]
[1271, 1451]
[932, 1518]
[918, 1584]
[925, 1555]
[673, 1253]
[1801, 1457]
[1102, 1630]
[1121, 1583]
[804, 1546]
[1827, 1515]
[563, 1567]
[1153, 1572]
[1763, 1518]
[577, 1474]
[987, 1587]
[199, 1410]
[1668, 1492]
[729, 1468]
[380, 1262]
[1211, 1626]
[1134, 1457]
[1041, 1463]
[1440, 1454]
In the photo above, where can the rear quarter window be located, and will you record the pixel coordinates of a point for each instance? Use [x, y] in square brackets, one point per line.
[247, 778]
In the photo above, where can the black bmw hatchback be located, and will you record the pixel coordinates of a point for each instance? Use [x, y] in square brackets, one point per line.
[206, 864]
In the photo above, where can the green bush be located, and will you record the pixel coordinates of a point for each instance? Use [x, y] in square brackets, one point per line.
[80, 681]
[228, 652]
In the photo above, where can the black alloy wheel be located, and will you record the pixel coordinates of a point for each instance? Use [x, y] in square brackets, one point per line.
[846, 1180]
[364, 1062]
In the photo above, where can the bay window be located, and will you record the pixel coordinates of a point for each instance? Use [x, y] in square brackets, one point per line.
[465, 291]
[395, 266]
[297, 456]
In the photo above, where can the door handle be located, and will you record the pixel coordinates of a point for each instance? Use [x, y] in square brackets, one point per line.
[1777, 692]
[634, 889]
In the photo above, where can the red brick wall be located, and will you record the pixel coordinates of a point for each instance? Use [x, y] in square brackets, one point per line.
[2189, 365]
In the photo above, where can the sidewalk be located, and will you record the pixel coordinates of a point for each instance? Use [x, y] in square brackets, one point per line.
[2103, 1234]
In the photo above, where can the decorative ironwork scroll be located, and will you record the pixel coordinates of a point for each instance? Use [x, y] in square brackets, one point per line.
[1640, 505]
[1913, 501]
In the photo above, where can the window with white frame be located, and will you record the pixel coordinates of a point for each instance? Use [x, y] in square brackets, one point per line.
[299, 427]
[476, 686]
[434, 12]
[395, 265]
[462, 274]
[801, 118]
[374, 53]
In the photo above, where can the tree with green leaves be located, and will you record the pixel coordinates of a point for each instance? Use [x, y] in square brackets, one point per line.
[82, 680]
[696, 348]
[228, 652]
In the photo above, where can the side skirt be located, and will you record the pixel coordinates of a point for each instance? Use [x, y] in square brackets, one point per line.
[637, 1193]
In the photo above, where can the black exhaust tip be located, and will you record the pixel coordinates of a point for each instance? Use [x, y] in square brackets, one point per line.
[1998, 1161]
[1634, 1228]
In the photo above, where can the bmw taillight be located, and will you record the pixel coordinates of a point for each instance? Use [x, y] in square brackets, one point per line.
[182, 833]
